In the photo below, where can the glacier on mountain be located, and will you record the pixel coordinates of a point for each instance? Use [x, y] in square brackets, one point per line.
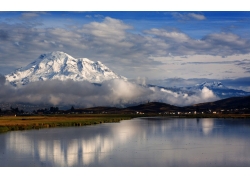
[213, 85]
[61, 66]
[216, 87]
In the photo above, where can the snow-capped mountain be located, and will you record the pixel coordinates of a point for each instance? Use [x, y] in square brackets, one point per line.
[217, 88]
[212, 85]
[61, 66]
[220, 90]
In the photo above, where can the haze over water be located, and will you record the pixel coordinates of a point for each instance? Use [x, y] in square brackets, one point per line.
[139, 142]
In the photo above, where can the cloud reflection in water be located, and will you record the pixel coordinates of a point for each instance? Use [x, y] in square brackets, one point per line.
[138, 142]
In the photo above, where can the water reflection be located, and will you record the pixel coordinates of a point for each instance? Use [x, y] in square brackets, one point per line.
[207, 125]
[138, 142]
[47, 146]
[197, 120]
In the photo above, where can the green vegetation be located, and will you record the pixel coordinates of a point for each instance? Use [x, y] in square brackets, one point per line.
[12, 123]
[4, 129]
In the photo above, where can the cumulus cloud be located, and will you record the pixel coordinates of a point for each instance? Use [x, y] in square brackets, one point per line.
[226, 43]
[110, 39]
[173, 36]
[141, 80]
[110, 32]
[112, 42]
[183, 99]
[196, 16]
[84, 94]
[222, 44]
[207, 93]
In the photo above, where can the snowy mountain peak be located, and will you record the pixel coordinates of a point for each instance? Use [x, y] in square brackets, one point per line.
[60, 65]
[55, 54]
[213, 85]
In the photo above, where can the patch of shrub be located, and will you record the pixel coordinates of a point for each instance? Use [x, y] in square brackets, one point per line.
[4, 129]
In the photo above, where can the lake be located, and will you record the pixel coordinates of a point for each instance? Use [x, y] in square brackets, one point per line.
[140, 142]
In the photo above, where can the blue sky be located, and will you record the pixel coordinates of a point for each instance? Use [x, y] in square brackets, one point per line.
[213, 45]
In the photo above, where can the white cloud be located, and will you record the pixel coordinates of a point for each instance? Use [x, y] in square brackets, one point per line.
[222, 44]
[207, 93]
[188, 16]
[169, 35]
[84, 94]
[112, 42]
[110, 30]
[196, 16]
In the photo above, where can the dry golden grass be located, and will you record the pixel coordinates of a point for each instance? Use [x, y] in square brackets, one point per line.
[9, 123]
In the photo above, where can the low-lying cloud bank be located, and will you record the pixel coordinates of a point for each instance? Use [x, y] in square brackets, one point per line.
[85, 94]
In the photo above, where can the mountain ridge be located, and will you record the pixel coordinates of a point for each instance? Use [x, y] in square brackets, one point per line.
[216, 87]
[234, 104]
[229, 105]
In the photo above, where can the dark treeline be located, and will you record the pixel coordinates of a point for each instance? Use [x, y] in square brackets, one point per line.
[11, 111]
[17, 111]
[234, 105]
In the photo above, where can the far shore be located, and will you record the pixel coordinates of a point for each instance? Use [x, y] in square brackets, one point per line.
[13, 123]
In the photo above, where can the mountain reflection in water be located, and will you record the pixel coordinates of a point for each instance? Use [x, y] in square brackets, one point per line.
[137, 142]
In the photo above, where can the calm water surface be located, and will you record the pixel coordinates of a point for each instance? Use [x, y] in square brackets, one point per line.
[138, 142]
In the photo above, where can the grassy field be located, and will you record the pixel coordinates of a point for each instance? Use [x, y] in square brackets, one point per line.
[11, 123]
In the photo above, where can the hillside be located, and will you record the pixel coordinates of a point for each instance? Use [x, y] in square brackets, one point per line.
[229, 103]
[152, 107]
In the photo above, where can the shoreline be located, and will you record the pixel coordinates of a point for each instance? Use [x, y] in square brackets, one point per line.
[12, 123]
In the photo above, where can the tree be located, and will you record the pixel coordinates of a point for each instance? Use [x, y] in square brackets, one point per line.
[16, 110]
[54, 109]
[197, 109]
